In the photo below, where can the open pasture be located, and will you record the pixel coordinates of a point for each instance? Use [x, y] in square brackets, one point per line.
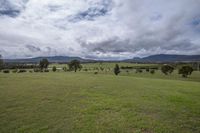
[107, 68]
[86, 103]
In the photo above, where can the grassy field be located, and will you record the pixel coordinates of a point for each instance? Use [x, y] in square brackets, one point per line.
[108, 70]
[104, 65]
[86, 103]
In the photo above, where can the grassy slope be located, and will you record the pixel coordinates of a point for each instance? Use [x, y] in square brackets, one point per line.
[87, 103]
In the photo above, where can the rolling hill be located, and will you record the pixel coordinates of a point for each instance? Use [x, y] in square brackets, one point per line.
[153, 58]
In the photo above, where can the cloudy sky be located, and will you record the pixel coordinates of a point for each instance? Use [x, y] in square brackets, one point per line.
[100, 29]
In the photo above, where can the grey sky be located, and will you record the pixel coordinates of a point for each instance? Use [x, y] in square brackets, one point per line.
[105, 29]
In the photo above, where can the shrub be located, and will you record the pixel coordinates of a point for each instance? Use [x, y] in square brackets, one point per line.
[85, 69]
[6, 71]
[14, 71]
[139, 70]
[36, 70]
[127, 71]
[101, 68]
[126, 67]
[152, 71]
[54, 68]
[46, 70]
[21, 71]
[65, 69]
[19, 66]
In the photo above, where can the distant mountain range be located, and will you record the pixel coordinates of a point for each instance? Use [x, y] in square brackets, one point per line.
[58, 59]
[168, 58]
[152, 58]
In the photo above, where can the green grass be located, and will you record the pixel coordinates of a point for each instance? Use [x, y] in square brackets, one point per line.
[159, 75]
[108, 69]
[111, 65]
[104, 65]
[87, 103]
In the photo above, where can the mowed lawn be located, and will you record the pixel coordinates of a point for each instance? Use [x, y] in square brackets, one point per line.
[88, 103]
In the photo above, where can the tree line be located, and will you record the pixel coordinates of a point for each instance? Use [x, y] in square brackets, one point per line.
[75, 65]
[166, 69]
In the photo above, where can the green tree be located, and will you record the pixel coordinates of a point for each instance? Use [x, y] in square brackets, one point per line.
[1, 62]
[54, 68]
[44, 63]
[116, 69]
[185, 71]
[65, 69]
[167, 69]
[74, 65]
[152, 71]
[147, 69]
[138, 70]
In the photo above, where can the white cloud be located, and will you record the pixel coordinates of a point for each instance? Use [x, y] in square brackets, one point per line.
[98, 29]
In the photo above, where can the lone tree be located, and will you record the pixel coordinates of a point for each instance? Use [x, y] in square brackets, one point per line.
[167, 69]
[65, 69]
[54, 68]
[44, 63]
[1, 62]
[116, 69]
[74, 65]
[185, 71]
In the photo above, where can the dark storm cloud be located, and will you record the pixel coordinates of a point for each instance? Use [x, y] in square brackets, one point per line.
[195, 24]
[91, 13]
[116, 45]
[111, 45]
[6, 8]
[11, 13]
[33, 48]
[10, 8]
